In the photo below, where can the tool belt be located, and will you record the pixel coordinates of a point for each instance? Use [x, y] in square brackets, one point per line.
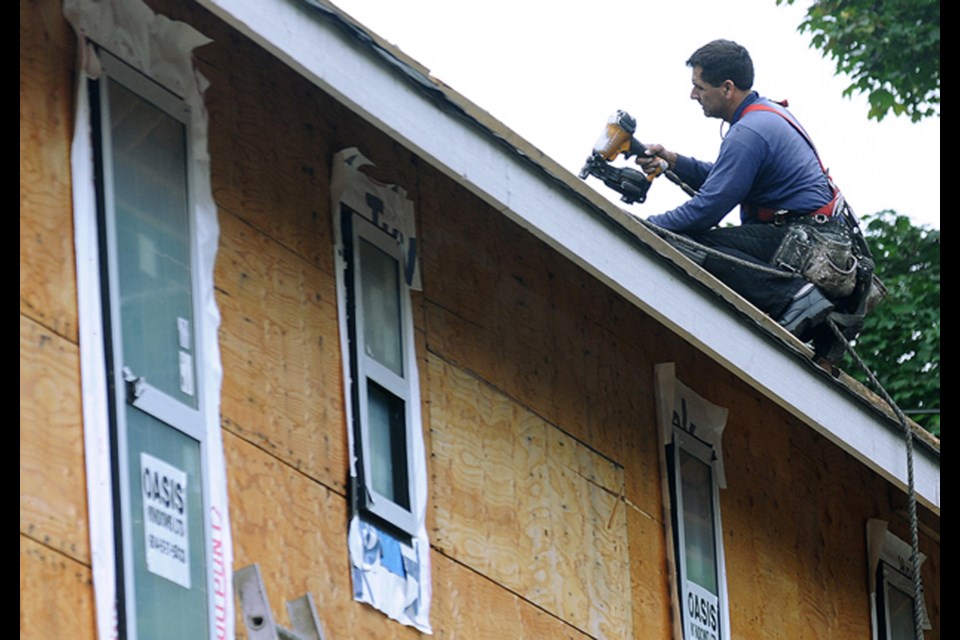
[821, 249]
[779, 216]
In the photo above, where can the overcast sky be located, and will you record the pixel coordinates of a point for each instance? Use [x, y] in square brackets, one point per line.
[554, 71]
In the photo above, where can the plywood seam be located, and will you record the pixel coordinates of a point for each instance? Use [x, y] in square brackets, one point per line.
[59, 552]
[427, 300]
[284, 462]
[519, 596]
[265, 233]
[473, 374]
[45, 326]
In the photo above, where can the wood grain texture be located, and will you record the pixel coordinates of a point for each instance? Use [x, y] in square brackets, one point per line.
[470, 607]
[794, 517]
[527, 505]
[282, 387]
[650, 600]
[500, 304]
[53, 495]
[295, 529]
[268, 161]
[56, 595]
[47, 264]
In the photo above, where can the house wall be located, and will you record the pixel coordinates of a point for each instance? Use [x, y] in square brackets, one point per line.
[544, 512]
[56, 599]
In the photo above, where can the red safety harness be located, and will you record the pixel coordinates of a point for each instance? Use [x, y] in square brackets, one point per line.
[766, 214]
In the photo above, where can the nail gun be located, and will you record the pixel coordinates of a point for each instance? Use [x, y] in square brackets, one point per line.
[617, 138]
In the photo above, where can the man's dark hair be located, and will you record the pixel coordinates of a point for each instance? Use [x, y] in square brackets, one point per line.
[723, 60]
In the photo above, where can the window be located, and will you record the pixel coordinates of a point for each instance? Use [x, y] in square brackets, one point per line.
[380, 334]
[894, 604]
[892, 584]
[151, 340]
[377, 268]
[697, 536]
[690, 437]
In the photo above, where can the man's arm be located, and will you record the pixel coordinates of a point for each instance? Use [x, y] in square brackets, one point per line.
[692, 171]
[724, 185]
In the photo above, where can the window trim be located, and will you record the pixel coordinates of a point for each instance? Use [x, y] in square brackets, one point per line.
[890, 568]
[891, 578]
[389, 567]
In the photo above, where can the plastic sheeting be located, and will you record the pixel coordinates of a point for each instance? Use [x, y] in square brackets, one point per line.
[679, 406]
[161, 49]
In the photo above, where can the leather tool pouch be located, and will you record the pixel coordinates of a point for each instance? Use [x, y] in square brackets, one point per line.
[822, 252]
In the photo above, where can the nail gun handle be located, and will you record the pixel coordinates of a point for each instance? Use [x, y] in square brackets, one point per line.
[637, 148]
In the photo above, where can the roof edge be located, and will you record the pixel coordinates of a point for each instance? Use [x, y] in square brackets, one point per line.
[398, 96]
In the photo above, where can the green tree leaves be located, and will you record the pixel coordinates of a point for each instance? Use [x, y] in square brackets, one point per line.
[889, 48]
[900, 340]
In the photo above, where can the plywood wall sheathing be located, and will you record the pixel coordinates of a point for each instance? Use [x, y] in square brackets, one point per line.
[53, 494]
[283, 388]
[528, 506]
[47, 274]
[536, 384]
[56, 596]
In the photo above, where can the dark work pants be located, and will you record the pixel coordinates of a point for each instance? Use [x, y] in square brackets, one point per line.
[754, 243]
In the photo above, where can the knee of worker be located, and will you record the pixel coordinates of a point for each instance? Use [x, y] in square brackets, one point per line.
[768, 292]
[753, 242]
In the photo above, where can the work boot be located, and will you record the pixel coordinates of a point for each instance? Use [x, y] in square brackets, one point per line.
[806, 311]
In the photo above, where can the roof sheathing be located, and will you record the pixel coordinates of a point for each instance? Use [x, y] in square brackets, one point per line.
[396, 95]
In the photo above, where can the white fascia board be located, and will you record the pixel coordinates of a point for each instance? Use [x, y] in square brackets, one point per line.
[588, 235]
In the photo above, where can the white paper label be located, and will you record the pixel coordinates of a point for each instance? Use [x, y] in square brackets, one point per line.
[702, 610]
[186, 373]
[165, 527]
[183, 333]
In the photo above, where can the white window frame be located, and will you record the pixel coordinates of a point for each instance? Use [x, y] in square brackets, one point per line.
[130, 389]
[891, 568]
[712, 616]
[366, 370]
[160, 52]
[689, 423]
[892, 579]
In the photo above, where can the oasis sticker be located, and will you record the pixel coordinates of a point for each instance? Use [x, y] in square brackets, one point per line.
[165, 526]
[702, 613]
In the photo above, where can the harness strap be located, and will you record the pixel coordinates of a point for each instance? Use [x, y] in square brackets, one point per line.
[767, 214]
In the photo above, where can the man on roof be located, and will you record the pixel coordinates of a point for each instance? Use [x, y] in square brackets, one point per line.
[768, 166]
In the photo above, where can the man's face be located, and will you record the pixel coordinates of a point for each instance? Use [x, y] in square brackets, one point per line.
[711, 98]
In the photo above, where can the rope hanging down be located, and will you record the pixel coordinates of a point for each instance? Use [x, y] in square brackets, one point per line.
[911, 490]
[689, 245]
[694, 246]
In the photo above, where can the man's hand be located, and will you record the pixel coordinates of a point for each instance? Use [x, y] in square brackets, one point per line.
[657, 160]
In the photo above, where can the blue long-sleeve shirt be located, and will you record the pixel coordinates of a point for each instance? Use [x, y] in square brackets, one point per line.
[763, 161]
